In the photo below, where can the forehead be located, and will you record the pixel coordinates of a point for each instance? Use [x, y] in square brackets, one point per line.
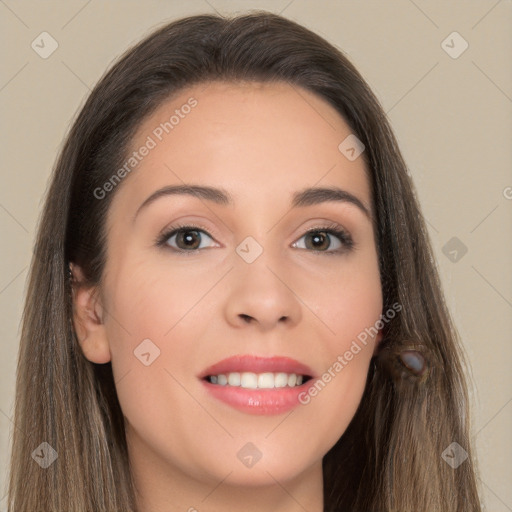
[263, 140]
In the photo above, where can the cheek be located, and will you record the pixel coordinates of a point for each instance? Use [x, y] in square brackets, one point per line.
[349, 310]
[143, 311]
[146, 303]
[155, 320]
[334, 399]
[347, 301]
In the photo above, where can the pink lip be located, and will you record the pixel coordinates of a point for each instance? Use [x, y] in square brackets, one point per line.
[258, 401]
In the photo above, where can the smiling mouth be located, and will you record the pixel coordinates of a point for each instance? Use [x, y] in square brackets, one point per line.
[251, 380]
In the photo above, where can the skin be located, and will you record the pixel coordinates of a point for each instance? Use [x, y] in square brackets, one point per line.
[249, 139]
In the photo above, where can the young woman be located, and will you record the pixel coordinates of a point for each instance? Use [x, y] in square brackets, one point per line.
[233, 302]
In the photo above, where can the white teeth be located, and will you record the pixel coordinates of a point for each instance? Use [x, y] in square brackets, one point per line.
[250, 380]
[266, 380]
[281, 380]
[234, 379]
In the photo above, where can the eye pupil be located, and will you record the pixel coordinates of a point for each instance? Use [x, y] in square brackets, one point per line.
[318, 237]
[189, 238]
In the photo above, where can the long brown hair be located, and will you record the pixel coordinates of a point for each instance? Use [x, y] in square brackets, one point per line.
[390, 457]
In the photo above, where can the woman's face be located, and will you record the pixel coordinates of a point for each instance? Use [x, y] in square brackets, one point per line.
[246, 280]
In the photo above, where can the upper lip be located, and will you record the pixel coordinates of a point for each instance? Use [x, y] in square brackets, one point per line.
[257, 364]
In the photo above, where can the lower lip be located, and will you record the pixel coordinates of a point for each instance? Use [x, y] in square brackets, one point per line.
[259, 401]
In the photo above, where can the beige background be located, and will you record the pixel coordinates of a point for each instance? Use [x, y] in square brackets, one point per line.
[452, 117]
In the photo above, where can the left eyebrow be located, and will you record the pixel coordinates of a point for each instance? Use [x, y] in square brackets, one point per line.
[317, 195]
[306, 197]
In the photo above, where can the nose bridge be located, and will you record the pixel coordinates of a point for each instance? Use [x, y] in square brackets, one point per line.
[259, 267]
[258, 286]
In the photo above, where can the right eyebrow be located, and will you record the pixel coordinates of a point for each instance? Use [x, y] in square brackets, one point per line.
[216, 195]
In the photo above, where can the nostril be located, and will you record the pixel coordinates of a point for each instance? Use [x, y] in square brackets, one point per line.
[247, 318]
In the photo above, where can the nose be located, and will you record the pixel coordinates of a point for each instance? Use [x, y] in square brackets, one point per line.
[261, 294]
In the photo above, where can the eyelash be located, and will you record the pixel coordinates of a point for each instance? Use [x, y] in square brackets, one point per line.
[332, 229]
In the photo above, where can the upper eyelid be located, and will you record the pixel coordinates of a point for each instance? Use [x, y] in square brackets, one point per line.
[327, 225]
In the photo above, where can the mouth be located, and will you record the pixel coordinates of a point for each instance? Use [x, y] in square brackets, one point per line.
[252, 372]
[258, 385]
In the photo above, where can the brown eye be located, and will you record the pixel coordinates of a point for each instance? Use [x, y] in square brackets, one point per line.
[185, 239]
[190, 239]
[326, 240]
[319, 240]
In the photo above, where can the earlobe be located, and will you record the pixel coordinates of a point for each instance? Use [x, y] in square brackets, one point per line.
[88, 319]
